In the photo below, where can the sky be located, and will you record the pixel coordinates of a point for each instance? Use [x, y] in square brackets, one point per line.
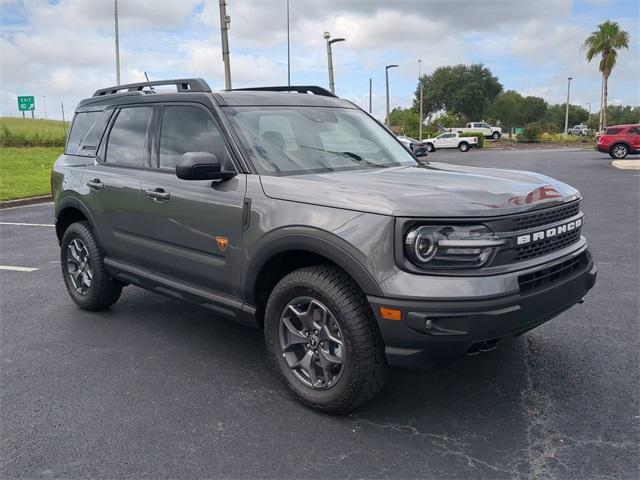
[64, 49]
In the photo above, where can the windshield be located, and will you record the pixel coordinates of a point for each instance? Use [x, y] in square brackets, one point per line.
[293, 140]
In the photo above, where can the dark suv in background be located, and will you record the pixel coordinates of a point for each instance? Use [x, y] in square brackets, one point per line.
[295, 211]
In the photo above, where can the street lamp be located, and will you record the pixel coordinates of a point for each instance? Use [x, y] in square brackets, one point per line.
[225, 22]
[386, 77]
[420, 83]
[117, 33]
[566, 114]
[330, 41]
[589, 117]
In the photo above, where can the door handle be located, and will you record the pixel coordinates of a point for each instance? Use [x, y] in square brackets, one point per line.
[158, 194]
[95, 184]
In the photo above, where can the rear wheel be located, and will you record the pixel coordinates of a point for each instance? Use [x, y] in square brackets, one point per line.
[496, 135]
[322, 337]
[619, 151]
[83, 270]
[464, 146]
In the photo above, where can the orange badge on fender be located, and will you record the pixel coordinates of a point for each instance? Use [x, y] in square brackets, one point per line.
[223, 243]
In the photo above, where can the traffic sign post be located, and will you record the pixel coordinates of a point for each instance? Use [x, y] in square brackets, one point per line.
[27, 104]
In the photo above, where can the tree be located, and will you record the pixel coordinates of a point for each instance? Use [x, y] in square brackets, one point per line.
[466, 90]
[405, 121]
[511, 109]
[534, 109]
[554, 118]
[605, 42]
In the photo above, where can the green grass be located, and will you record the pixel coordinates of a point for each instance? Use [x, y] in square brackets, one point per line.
[27, 132]
[25, 172]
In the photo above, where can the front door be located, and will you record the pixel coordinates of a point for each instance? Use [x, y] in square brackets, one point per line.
[194, 226]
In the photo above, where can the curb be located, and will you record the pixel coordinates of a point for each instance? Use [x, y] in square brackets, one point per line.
[25, 201]
[626, 164]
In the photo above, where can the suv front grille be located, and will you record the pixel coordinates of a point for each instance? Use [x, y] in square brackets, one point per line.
[549, 245]
[550, 275]
[545, 217]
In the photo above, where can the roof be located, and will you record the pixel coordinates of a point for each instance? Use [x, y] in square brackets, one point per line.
[196, 87]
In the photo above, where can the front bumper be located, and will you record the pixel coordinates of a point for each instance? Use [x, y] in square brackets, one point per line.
[431, 331]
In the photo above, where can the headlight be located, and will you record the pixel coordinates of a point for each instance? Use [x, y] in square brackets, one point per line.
[434, 247]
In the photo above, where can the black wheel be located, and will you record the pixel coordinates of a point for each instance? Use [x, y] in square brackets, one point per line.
[496, 135]
[85, 275]
[323, 338]
[464, 146]
[430, 148]
[619, 151]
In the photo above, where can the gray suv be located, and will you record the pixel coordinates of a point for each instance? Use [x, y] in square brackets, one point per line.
[295, 211]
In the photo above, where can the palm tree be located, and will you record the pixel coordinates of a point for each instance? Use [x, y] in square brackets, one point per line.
[606, 41]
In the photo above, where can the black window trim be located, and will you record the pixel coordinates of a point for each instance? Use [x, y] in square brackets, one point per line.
[157, 132]
[81, 143]
[101, 157]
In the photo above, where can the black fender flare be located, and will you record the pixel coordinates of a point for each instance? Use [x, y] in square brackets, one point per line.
[72, 202]
[308, 239]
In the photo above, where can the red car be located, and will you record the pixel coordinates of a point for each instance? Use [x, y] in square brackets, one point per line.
[620, 140]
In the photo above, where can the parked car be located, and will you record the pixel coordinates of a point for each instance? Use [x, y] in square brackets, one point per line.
[302, 215]
[450, 140]
[578, 130]
[487, 130]
[412, 144]
[620, 140]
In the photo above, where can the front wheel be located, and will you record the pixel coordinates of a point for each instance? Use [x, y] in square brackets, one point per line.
[322, 337]
[464, 146]
[619, 151]
[430, 148]
[496, 135]
[83, 270]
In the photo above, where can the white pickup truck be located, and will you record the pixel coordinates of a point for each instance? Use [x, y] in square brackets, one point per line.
[485, 128]
[450, 140]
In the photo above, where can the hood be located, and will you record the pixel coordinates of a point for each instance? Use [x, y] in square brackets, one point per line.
[435, 190]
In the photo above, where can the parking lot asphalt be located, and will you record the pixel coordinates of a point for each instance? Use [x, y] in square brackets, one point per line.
[156, 388]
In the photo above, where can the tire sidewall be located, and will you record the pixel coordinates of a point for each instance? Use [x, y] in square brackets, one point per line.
[275, 306]
[464, 147]
[431, 148]
[619, 157]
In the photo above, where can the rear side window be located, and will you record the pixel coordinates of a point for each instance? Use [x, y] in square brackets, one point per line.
[188, 129]
[612, 131]
[89, 146]
[127, 143]
[634, 131]
[82, 123]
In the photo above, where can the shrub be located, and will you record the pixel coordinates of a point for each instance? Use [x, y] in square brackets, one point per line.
[532, 133]
[478, 135]
[27, 132]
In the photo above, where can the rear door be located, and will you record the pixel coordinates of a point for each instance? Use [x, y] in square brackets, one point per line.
[113, 181]
[633, 136]
[194, 227]
[446, 140]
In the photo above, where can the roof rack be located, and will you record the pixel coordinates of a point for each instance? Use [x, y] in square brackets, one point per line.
[182, 85]
[312, 89]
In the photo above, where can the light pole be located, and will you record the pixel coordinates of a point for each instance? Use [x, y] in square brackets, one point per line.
[420, 83]
[225, 21]
[330, 41]
[44, 104]
[386, 79]
[288, 50]
[566, 114]
[369, 94]
[115, 14]
[589, 117]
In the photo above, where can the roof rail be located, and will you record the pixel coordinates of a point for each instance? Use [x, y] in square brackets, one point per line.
[183, 85]
[313, 89]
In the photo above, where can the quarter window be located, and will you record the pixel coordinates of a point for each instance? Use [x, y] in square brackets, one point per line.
[188, 129]
[82, 123]
[127, 140]
[634, 131]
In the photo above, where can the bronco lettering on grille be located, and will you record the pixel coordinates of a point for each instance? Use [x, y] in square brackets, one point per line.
[548, 233]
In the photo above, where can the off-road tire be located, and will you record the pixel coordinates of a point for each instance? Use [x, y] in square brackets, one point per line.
[364, 368]
[104, 290]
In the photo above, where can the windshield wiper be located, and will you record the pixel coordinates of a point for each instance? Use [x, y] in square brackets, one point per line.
[349, 155]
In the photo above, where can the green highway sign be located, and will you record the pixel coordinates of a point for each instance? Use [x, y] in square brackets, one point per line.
[26, 104]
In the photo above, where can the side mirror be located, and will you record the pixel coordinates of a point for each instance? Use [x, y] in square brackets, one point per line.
[420, 152]
[201, 166]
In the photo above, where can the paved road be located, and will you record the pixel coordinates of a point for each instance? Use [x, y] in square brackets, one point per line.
[155, 388]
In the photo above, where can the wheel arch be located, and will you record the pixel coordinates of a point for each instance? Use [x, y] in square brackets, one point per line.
[285, 252]
[72, 210]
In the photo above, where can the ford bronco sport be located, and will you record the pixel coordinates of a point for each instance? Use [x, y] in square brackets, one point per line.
[295, 211]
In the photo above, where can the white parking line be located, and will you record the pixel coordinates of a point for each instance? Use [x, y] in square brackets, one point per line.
[17, 269]
[28, 224]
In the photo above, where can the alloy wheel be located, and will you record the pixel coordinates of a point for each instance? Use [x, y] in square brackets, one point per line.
[619, 151]
[312, 343]
[79, 266]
